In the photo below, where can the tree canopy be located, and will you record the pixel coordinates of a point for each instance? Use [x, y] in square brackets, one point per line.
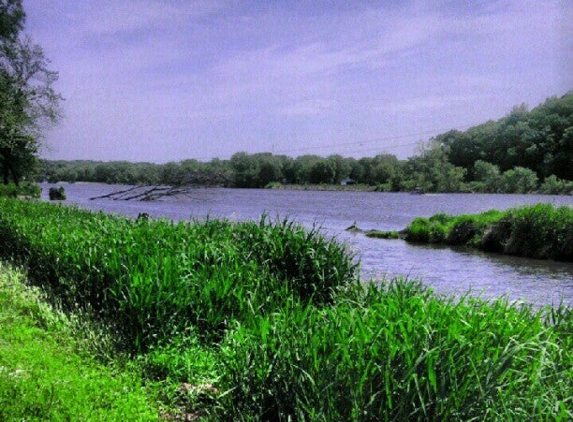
[28, 100]
[540, 139]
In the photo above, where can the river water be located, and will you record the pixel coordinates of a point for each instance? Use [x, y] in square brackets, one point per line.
[448, 271]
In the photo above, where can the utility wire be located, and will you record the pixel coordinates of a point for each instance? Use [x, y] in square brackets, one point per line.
[292, 152]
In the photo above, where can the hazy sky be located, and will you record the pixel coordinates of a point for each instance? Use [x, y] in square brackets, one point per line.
[168, 80]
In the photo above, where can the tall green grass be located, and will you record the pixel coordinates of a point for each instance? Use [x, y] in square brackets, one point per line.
[154, 279]
[536, 231]
[274, 317]
[398, 353]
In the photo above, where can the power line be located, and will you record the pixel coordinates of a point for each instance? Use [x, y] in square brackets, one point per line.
[292, 152]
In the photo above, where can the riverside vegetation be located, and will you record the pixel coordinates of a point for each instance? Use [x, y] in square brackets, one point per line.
[268, 321]
[537, 231]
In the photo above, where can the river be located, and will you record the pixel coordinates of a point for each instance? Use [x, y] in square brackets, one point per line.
[448, 271]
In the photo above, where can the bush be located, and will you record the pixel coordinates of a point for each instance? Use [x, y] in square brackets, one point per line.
[519, 180]
[418, 231]
[541, 231]
[57, 194]
[463, 231]
[554, 186]
[29, 190]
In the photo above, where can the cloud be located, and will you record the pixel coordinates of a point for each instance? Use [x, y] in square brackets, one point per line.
[168, 71]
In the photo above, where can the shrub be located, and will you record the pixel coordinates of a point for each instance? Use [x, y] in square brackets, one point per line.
[463, 231]
[519, 180]
[554, 186]
[57, 194]
[537, 231]
[29, 190]
[541, 231]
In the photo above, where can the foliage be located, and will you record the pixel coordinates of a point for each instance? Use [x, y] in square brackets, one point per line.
[519, 180]
[430, 171]
[57, 194]
[398, 353]
[537, 231]
[540, 140]
[28, 101]
[11, 18]
[555, 186]
[497, 157]
[28, 190]
[161, 277]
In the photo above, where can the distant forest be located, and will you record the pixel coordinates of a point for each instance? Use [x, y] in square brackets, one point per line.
[525, 151]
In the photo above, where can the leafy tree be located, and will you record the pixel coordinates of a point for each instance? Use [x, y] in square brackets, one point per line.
[431, 171]
[246, 169]
[519, 180]
[322, 171]
[28, 101]
[341, 167]
[488, 175]
[270, 169]
[12, 18]
[303, 166]
[540, 139]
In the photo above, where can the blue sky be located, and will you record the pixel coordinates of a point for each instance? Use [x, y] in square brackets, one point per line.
[169, 80]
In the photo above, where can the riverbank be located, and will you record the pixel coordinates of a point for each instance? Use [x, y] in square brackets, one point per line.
[539, 231]
[268, 321]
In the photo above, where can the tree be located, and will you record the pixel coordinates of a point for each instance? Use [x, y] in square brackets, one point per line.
[488, 176]
[519, 180]
[431, 171]
[28, 101]
[12, 18]
[246, 169]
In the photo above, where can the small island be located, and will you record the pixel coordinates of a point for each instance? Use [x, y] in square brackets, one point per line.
[539, 231]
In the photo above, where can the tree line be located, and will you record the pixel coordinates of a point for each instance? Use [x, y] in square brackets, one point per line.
[522, 152]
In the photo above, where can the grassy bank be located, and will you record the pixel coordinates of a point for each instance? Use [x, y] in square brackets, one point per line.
[267, 321]
[43, 374]
[536, 231]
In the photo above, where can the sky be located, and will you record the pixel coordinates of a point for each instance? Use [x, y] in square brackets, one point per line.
[170, 80]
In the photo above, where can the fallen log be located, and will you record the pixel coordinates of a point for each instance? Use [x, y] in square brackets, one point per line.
[146, 193]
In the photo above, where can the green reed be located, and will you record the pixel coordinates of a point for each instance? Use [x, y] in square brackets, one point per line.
[153, 278]
[398, 353]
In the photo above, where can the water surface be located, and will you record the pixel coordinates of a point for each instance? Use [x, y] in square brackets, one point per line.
[449, 271]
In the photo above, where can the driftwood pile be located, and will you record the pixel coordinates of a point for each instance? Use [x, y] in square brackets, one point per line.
[146, 193]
